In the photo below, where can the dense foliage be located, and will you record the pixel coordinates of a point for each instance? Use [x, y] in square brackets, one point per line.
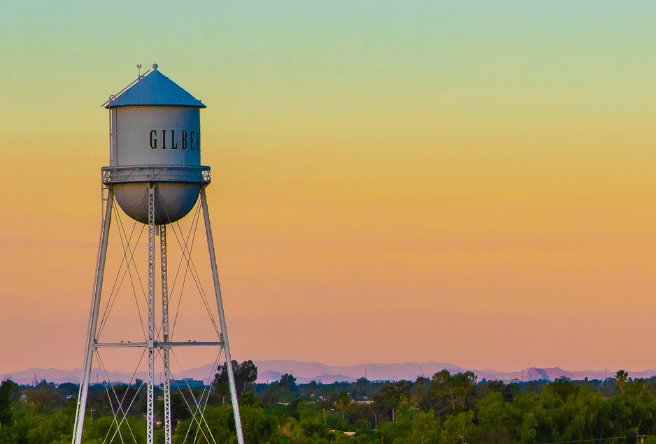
[445, 409]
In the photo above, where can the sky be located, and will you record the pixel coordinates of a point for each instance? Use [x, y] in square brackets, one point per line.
[460, 182]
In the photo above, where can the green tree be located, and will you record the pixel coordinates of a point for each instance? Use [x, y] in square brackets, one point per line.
[104, 429]
[248, 399]
[390, 397]
[637, 388]
[44, 396]
[360, 388]
[223, 390]
[179, 409]
[621, 377]
[342, 403]
[259, 425]
[50, 428]
[463, 383]
[497, 435]
[460, 425]
[582, 411]
[245, 375]
[441, 393]
[219, 421]
[425, 429]
[493, 412]
[528, 429]
[288, 382]
[7, 388]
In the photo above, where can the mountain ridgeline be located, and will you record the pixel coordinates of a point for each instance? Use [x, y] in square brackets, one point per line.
[306, 372]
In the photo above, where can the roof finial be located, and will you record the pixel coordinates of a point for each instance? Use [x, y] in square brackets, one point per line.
[155, 66]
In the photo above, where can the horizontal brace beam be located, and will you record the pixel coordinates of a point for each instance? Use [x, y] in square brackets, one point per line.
[157, 344]
[186, 344]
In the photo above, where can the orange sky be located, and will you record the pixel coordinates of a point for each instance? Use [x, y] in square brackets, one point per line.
[469, 184]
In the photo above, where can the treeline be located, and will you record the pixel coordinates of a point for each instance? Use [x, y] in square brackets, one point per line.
[443, 409]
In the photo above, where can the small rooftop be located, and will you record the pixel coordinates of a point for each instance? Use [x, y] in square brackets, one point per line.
[155, 89]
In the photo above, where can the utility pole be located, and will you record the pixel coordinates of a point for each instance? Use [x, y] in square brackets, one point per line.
[372, 411]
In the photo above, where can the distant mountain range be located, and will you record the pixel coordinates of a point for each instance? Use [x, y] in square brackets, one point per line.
[305, 372]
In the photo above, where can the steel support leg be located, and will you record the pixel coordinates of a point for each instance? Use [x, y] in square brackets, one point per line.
[150, 418]
[224, 331]
[93, 321]
[165, 335]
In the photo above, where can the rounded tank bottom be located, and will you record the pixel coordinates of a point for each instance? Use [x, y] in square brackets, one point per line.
[173, 200]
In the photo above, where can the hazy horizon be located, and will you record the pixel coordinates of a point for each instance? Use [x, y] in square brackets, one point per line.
[306, 372]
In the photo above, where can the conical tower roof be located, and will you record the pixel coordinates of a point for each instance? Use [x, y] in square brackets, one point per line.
[156, 89]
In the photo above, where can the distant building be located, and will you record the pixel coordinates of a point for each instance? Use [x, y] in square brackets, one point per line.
[187, 382]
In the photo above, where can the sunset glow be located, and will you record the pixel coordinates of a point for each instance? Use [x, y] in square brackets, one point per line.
[470, 183]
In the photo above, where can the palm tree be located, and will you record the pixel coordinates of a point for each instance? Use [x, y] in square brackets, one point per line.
[342, 403]
[621, 377]
[223, 390]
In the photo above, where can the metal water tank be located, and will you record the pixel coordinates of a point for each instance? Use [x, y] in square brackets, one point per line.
[155, 141]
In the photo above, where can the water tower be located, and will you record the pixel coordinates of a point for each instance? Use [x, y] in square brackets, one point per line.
[156, 177]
